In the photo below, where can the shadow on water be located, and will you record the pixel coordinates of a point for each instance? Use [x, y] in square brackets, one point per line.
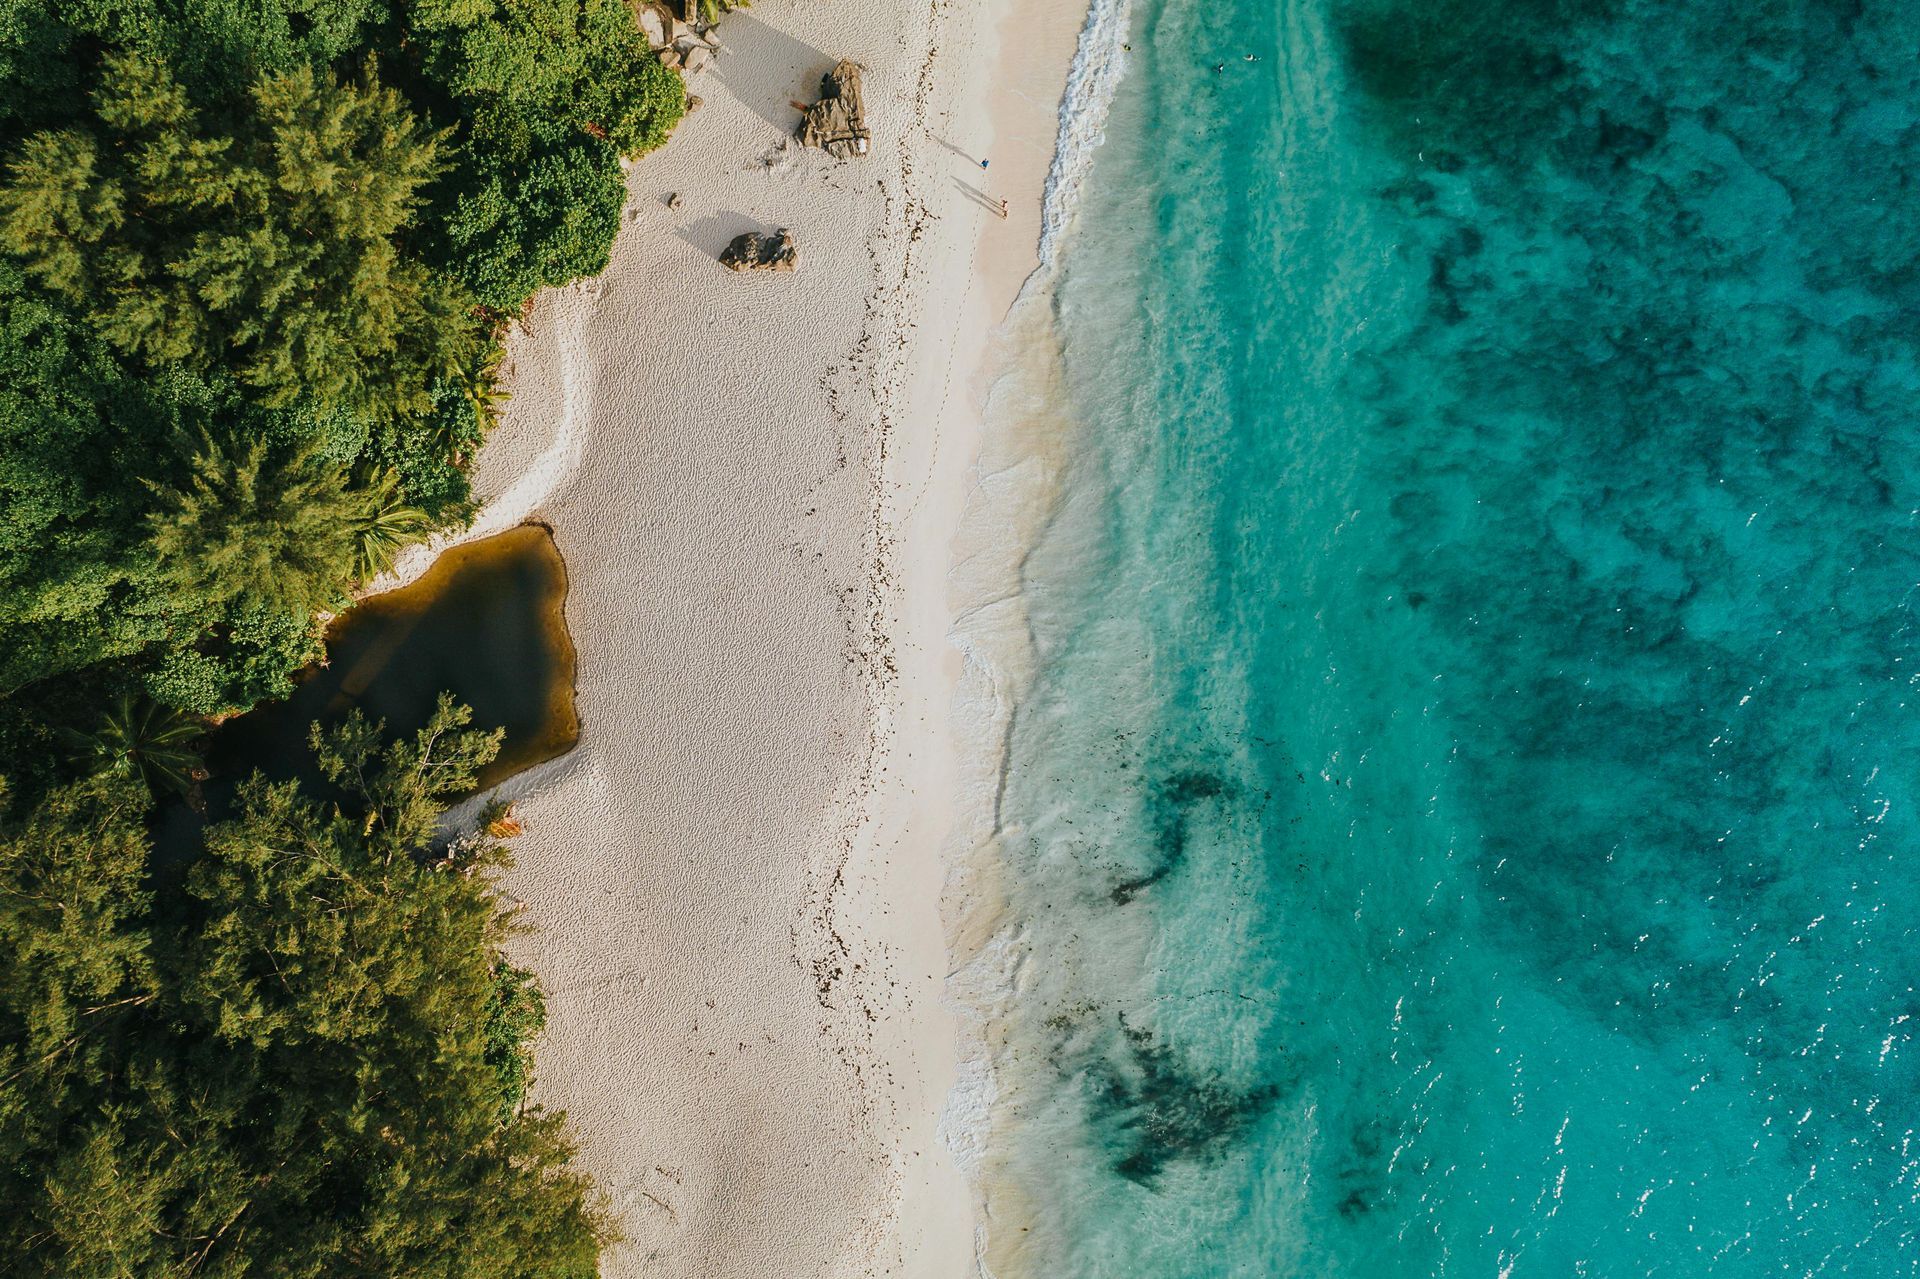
[487, 623]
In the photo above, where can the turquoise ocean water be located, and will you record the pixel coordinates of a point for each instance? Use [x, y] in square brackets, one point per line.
[1463, 820]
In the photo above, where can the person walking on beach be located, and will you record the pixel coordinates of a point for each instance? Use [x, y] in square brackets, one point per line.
[1003, 208]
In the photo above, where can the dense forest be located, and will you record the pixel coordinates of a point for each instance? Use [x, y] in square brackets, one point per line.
[255, 260]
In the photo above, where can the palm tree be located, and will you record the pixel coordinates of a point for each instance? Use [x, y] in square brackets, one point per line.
[385, 526]
[141, 738]
[479, 383]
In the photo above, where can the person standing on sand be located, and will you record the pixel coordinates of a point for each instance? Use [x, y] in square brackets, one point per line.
[1003, 208]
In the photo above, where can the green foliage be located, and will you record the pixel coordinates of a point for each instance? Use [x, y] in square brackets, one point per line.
[142, 739]
[400, 784]
[581, 63]
[206, 231]
[538, 206]
[426, 452]
[552, 93]
[245, 526]
[70, 891]
[629, 97]
[74, 584]
[295, 1069]
[710, 10]
[384, 526]
[270, 252]
[249, 655]
[516, 1014]
[312, 1061]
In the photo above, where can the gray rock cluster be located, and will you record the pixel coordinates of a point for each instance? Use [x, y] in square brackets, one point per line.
[752, 251]
[837, 123]
[685, 47]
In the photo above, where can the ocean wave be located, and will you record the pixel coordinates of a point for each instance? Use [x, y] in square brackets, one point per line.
[1019, 495]
[1099, 62]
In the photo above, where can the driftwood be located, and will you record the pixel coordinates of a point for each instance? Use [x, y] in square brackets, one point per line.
[837, 123]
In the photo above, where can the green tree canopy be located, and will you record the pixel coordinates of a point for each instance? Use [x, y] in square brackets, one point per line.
[271, 251]
[143, 739]
[281, 531]
[296, 1068]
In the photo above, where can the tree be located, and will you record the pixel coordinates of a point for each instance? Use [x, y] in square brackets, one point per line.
[272, 251]
[307, 1066]
[516, 1014]
[246, 526]
[248, 653]
[386, 524]
[71, 949]
[335, 959]
[552, 94]
[142, 739]
[204, 230]
[400, 784]
[538, 206]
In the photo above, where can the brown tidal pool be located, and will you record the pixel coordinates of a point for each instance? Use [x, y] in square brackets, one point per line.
[486, 623]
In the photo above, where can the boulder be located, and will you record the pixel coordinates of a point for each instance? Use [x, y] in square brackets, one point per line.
[673, 199]
[695, 60]
[653, 27]
[695, 102]
[668, 58]
[752, 251]
[837, 123]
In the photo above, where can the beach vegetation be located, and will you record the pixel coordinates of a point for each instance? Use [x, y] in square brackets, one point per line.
[268, 250]
[242, 524]
[308, 1058]
[141, 738]
[256, 260]
[384, 525]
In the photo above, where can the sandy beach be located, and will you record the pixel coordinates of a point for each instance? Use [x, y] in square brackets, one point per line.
[734, 882]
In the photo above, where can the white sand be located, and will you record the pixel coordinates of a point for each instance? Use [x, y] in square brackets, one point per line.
[735, 879]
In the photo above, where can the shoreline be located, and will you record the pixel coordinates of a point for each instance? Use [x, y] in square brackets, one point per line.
[734, 882]
[1019, 491]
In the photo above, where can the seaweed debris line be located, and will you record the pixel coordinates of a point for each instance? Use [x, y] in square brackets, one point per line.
[486, 623]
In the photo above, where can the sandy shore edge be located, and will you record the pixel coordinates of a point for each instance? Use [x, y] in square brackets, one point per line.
[734, 883]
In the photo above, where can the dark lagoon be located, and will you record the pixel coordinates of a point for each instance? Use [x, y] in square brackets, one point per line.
[487, 623]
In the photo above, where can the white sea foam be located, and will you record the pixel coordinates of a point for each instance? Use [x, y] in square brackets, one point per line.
[1017, 493]
[1099, 62]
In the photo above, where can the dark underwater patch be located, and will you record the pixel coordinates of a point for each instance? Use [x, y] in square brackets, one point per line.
[1360, 1183]
[1159, 1107]
[1170, 807]
[1465, 75]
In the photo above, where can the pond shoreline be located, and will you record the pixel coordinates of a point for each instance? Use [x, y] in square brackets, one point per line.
[486, 623]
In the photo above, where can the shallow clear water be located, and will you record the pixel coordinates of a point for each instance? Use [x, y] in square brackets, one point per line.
[1464, 822]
